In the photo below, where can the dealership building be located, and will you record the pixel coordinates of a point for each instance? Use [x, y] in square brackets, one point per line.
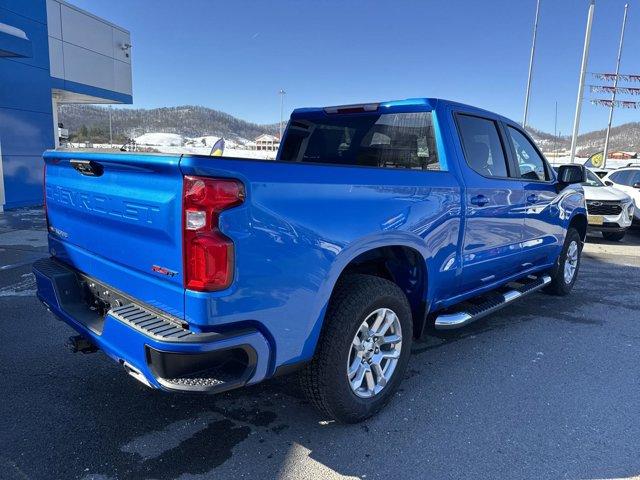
[51, 53]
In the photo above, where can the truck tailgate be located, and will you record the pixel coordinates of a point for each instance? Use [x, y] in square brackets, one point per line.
[117, 217]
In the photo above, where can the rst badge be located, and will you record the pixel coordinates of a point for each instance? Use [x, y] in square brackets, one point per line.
[164, 271]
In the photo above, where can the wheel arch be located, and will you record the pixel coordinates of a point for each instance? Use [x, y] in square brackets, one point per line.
[401, 263]
[579, 222]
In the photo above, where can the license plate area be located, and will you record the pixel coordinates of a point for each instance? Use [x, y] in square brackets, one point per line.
[595, 219]
[99, 297]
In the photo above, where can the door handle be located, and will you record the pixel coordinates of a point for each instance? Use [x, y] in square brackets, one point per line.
[533, 198]
[479, 200]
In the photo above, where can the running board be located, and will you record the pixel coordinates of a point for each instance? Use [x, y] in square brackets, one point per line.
[451, 321]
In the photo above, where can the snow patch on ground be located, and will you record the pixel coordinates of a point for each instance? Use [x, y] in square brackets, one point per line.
[24, 288]
[160, 139]
[177, 144]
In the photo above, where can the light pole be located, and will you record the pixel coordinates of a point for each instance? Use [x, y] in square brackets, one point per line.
[533, 52]
[110, 129]
[282, 94]
[605, 152]
[583, 72]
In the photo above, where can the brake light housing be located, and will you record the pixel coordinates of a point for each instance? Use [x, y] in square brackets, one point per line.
[44, 195]
[208, 254]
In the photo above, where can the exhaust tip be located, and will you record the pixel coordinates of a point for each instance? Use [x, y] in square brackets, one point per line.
[135, 373]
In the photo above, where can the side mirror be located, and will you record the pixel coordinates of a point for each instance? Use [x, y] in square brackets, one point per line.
[636, 185]
[608, 183]
[568, 174]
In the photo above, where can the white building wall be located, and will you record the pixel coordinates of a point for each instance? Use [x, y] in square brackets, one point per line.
[86, 49]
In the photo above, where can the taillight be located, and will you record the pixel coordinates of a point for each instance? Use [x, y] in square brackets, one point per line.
[44, 195]
[208, 254]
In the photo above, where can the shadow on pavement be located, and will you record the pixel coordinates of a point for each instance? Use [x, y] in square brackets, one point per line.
[632, 238]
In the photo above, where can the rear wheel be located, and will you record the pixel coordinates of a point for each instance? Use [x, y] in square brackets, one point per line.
[614, 236]
[363, 351]
[565, 273]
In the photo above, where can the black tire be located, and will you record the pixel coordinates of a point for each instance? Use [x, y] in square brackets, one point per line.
[325, 380]
[614, 236]
[559, 285]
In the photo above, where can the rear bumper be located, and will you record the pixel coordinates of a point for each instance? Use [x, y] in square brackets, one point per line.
[153, 347]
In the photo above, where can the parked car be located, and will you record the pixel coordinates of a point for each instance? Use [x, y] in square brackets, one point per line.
[202, 274]
[609, 210]
[627, 179]
[601, 172]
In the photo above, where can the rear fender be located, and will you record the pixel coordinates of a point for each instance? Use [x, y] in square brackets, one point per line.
[346, 256]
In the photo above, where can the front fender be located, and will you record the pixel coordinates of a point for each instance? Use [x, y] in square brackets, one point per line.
[571, 203]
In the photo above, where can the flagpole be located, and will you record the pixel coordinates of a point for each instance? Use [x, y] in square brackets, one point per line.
[533, 52]
[555, 133]
[615, 86]
[282, 94]
[583, 72]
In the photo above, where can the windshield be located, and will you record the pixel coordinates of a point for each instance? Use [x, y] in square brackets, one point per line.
[592, 180]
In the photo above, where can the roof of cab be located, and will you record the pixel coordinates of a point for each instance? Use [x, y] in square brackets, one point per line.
[428, 103]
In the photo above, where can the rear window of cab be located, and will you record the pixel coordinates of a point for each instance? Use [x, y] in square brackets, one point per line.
[384, 140]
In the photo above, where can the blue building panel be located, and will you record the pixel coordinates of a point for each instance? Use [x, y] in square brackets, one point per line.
[15, 47]
[37, 37]
[24, 87]
[33, 9]
[90, 90]
[25, 132]
[22, 180]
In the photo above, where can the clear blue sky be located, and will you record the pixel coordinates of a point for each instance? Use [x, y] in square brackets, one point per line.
[235, 55]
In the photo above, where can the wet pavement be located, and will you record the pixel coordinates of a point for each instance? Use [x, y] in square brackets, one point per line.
[547, 388]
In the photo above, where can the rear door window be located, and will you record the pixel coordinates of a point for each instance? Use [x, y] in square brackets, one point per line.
[482, 146]
[392, 140]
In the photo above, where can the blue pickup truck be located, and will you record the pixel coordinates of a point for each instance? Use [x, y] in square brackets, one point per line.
[376, 223]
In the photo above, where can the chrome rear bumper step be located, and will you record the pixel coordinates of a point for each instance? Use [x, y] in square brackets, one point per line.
[449, 321]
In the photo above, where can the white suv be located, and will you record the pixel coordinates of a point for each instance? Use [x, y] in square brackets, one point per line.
[609, 210]
[627, 179]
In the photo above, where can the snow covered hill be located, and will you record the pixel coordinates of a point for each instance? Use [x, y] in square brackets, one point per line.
[187, 120]
[160, 139]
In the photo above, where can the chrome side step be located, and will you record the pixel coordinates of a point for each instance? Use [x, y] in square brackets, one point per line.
[449, 321]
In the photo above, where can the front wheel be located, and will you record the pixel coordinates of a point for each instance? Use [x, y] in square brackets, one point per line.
[565, 273]
[363, 351]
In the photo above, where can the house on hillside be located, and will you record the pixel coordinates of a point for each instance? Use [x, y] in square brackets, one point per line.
[623, 155]
[266, 142]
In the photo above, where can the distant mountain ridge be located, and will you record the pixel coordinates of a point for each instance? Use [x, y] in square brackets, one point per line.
[91, 123]
[625, 137]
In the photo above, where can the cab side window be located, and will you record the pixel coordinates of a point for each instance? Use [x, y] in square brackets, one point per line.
[530, 163]
[482, 146]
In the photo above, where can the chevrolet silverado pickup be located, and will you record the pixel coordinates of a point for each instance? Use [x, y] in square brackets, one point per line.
[375, 224]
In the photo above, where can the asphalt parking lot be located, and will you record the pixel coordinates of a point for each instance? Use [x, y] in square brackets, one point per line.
[548, 388]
